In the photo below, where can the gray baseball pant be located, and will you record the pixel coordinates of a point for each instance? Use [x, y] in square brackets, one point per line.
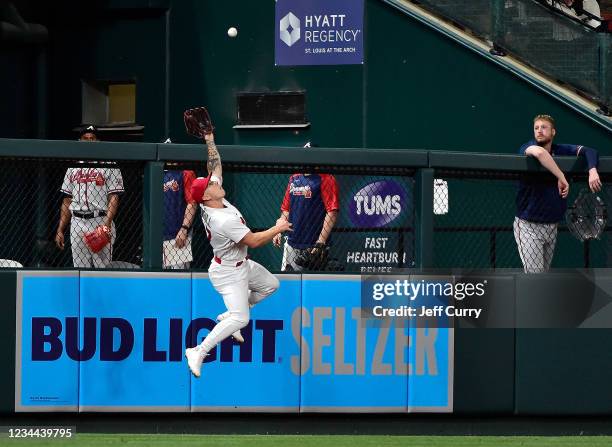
[536, 244]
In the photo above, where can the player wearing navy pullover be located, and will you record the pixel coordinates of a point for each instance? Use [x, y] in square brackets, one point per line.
[311, 205]
[541, 200]
[180, 210]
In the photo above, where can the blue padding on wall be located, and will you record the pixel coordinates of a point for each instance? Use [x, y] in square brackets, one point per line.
[111, 341]
[147, 370]
[255, 375]
[430, 380]
[347, 367]
[46, 379]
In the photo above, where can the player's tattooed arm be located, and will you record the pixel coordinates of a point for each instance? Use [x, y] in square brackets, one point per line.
[213, 163]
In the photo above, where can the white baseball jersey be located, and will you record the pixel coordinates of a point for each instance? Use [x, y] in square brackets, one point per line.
[225, 227]
[89, 187]
[240, 286]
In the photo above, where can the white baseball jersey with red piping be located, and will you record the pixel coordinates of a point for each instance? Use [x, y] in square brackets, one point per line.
[241, 282]
[225, 228]
[89, 188]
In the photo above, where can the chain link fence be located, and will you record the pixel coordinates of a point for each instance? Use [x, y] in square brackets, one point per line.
[540, 35]
[36, 193]
[369, 213]
[474, 223]
[345, 219]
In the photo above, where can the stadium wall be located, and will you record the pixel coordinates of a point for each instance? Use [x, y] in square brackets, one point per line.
[505, 371]
[301, 353]
[474, 202]
[416, 89]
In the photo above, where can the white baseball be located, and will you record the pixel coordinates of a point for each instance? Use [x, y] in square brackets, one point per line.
[232, 32]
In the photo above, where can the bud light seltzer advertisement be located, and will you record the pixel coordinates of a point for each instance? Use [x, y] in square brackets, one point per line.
[318, 32]
[115, 341]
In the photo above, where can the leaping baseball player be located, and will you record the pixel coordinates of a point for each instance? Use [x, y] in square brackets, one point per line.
[91, 201]
[241, 282]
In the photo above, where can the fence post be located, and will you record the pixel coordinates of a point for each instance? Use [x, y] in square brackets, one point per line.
[497, 27]
[604, 84]
[153, 215]
[41, 132]
[424, 218]
[41, 230]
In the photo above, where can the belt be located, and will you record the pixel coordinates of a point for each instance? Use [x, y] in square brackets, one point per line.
[539, 222]
[88, 214]
[232, 264]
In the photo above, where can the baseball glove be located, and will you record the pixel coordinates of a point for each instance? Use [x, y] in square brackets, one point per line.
[587, 217]
[314, 258]
[198, 122]
[97, 239]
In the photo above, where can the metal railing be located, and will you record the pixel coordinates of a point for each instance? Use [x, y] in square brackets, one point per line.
[389, 214]
[477, 229]
[562, 47]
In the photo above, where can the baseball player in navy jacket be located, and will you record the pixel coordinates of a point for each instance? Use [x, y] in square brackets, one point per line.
[541, 200]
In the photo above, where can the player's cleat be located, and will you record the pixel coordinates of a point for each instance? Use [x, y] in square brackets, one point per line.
[237, 335]
[195, 357]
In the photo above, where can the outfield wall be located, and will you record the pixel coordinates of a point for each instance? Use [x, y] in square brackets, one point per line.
[113, 342]
[110, 341]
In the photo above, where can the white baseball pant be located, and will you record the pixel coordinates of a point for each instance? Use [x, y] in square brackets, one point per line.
[82, 256]
[240, 287]
[536, 244]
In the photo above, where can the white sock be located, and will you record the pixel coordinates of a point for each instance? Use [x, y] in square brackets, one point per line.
[220, 332]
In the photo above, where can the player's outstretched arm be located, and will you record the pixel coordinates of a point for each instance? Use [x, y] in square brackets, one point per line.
[213, 163]
[254, 240]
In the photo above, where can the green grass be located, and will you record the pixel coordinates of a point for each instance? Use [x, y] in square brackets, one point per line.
[94, 440]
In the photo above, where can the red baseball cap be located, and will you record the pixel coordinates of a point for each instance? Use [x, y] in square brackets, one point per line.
[198, 187]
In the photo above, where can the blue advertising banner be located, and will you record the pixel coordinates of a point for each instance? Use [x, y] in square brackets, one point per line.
[346, 366]
[318, 32]
[133, 327]
[254, 375]
[352, 364]
[430, 378]
[108, 341]
[46, 367]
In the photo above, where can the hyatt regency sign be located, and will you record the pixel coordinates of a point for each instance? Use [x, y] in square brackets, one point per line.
[318, 32]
